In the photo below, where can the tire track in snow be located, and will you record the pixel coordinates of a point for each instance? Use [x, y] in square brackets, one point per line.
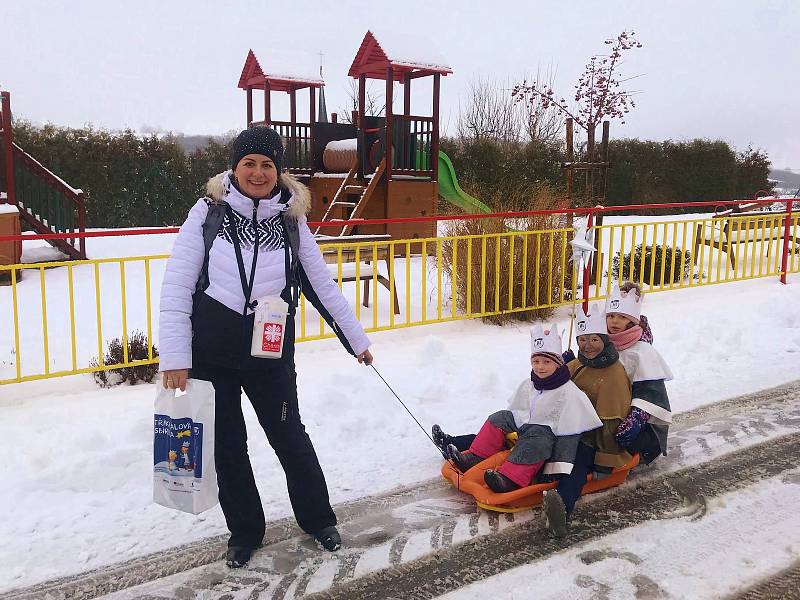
[477, 559]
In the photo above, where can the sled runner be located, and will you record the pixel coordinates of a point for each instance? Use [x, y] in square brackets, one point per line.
[524, 498]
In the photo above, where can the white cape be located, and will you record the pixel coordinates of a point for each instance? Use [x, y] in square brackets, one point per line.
[566, 410]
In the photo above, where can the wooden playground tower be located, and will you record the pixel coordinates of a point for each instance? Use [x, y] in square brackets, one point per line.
[375, 168]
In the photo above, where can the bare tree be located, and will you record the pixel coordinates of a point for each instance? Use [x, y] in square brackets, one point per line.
[541, 119]
[490, 113]
[375, 105]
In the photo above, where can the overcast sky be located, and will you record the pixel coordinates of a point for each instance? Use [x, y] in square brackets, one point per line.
[722, 70]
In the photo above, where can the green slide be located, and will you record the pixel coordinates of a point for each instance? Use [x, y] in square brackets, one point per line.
[452, 192]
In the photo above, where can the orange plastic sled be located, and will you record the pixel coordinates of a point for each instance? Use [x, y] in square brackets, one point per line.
[472, 483]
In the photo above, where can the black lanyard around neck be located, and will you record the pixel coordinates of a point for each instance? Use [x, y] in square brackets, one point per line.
[247, 287]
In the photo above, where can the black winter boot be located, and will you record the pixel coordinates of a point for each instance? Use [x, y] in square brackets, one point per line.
[498, 482]
[464, 461]
[555, 514]
[329, 538]
[238, 556]
[440, 438]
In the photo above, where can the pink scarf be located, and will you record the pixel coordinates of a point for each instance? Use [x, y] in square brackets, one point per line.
[627, 338]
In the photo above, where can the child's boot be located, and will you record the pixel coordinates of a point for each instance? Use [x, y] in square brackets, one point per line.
[440, 438]
[464, 461]
[498, 482]
[555, 513]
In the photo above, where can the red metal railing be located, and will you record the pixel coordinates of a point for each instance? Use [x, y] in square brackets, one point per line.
[594, 216]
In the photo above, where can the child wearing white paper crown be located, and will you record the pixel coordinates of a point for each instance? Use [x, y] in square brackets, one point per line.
[549, 414]
[644, 429]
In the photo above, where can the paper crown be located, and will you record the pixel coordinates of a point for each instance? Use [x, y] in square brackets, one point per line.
[594, 322]
[625, 303]
[185, 443]
[545, 343]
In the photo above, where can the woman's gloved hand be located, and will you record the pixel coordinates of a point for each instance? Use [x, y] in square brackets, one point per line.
[631, 426]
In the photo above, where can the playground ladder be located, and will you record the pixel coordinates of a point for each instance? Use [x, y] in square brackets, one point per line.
[47, 204]
[348, 190]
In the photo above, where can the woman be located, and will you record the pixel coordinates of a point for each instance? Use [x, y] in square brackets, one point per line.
[212, 280]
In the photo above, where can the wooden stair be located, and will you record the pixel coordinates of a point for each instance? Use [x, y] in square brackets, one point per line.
[352, 196]
[47, 204]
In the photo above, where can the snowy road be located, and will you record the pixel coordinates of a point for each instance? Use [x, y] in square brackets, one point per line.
[727, 461]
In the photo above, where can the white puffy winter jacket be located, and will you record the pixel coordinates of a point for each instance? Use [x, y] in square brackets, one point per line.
[185, 263]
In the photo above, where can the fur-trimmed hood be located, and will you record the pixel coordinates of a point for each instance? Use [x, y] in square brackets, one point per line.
[299, 205]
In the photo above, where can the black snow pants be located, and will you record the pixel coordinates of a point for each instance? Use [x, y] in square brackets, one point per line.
[570, 486]
[272, 391]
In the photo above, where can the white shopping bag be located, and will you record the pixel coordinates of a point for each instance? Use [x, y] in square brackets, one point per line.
[184, 477]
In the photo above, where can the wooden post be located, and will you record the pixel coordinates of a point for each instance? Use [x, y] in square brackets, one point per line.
[407, 95]
[82, 225]
[249, 106]
[590, 130]
[8, 146]
[267, 103]
[362, 100]
[570, 159]
[389, 129]
[604, 160]
[293, 145]
[312, 93]
[434, 158]
[334, 118]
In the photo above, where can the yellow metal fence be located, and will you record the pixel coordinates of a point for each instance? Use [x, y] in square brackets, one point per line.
[59, 317]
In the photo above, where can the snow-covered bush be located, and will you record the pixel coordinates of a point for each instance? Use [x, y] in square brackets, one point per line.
[649, 269]
[137, 350]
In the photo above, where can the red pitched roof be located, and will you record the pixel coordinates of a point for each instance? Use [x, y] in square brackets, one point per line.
[374, 57]
[280, 80]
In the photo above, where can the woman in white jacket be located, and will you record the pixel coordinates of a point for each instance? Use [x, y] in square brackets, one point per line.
[206, 327]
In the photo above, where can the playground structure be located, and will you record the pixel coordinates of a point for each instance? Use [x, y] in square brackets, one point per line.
[375, 167]
[45, 203]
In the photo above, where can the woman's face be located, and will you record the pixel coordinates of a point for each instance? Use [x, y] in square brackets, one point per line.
[256, 175]
[617, 322]
[543, 366]
[590, 345]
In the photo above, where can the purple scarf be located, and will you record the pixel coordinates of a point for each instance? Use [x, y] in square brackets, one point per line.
[557, 379]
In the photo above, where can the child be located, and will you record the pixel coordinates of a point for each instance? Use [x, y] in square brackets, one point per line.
[645, 428]
[549, 414]
[598, 373]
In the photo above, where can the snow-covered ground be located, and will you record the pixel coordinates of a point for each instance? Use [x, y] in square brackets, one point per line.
[77, 470]
[682, 555]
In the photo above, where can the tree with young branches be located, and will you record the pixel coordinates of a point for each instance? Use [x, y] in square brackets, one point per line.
[375, 105]
[598, 93]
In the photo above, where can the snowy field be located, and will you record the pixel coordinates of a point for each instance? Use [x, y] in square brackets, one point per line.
[78, 468]
[77, 471]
